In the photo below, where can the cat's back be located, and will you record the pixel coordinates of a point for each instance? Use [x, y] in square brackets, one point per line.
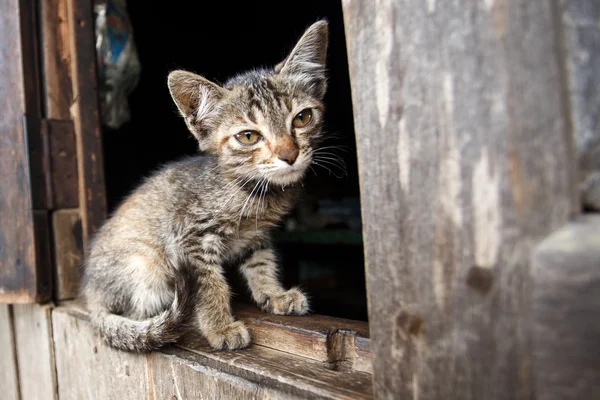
[149, 208]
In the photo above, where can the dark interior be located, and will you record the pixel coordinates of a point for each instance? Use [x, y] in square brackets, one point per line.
[320, 244]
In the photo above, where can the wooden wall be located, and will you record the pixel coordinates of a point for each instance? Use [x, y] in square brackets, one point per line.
[466, 162]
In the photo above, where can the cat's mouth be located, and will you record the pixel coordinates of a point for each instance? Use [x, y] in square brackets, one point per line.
[287, 176]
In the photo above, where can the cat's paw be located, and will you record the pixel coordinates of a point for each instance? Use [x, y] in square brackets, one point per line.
[233, 336]
[291, 302]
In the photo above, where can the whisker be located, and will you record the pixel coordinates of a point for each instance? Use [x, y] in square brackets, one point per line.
[246, 203]
[330, 171]
[335, 159]
[330, 161]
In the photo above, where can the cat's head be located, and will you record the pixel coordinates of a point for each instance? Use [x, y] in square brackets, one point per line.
[262, 124]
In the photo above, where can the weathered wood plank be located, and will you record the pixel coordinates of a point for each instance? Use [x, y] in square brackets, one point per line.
[85, 114]
[464, 164]
[18, 280]
[178, 379]
[290, 374]
[63, 164]
[86, 368]
[68, 252]
[35, 351]
[56, 58]
[254, 371]
[36, 134]
[341, 343]
[581, 25]
[9, 378]
[566, 312]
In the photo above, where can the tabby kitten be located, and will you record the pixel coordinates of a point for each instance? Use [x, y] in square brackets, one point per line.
[155, 268]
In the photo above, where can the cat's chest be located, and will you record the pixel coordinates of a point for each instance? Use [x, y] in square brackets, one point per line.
[238, 244]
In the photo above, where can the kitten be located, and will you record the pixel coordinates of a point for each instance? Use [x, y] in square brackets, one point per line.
[154, 269]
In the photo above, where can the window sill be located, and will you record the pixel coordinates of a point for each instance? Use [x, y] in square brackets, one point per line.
[314, 356]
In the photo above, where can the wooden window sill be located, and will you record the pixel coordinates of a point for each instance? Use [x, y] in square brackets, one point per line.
[309, 357]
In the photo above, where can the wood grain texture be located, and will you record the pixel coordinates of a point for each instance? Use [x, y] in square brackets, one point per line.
[35, 351]
[86, 368]
[290, 374]
[258, 372]
[85, 114]
[340, 343]
[36, 134]
[63, 164]
[178, 379]
[9, 378]
[566, 309]
[17, 245]
[56, 59]
[581, 25]
[68, 252]
[464, 162]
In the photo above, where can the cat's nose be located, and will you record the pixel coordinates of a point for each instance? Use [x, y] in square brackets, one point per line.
[288, 154]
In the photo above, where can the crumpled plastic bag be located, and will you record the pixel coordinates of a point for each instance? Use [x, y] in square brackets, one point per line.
[118, 63]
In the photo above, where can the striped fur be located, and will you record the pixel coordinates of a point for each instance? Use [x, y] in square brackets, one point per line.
[155, 268]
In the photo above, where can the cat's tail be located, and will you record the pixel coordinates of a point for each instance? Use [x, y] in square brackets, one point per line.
[155, 332]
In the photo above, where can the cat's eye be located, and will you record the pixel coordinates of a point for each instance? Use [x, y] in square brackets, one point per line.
[302, 118]
[248, 137]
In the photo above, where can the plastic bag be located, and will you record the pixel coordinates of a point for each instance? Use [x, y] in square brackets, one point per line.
[118, 63]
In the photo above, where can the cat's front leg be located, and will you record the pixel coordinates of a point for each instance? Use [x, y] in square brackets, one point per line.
[260, 271]
[213, 307]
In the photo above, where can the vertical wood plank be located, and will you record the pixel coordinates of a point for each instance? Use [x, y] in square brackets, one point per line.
[88, 369]
[56, 58]
[35, 352]
[17, 245]
[68, 252]
[465, 163]
[85, 114]
[9, 379]
[63, 164]
[581, 25]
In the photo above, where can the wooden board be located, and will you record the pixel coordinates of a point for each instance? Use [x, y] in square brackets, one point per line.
[193, 367]
[63, 164]
[293, 375]
[581, 37]
[18, 279]
[85, 114]
[178, 379]
[566, 312]
[88, 369]
[56, 59]
[35, 351]
[68, 252]
[465, 163]
[9, 378]
[341, 343]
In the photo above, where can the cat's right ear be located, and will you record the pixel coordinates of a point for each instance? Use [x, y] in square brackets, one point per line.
[197, 99]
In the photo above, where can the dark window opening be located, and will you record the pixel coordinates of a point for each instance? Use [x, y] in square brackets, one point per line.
[320, 244]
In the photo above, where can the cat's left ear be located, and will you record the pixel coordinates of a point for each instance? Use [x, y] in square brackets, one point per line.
[198, 101]
[306, 62]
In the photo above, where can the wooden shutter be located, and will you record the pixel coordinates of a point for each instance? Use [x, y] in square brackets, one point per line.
[52, 190]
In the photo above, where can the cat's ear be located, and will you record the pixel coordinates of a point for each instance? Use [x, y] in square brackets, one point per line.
[306, 62]
[197, 99]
